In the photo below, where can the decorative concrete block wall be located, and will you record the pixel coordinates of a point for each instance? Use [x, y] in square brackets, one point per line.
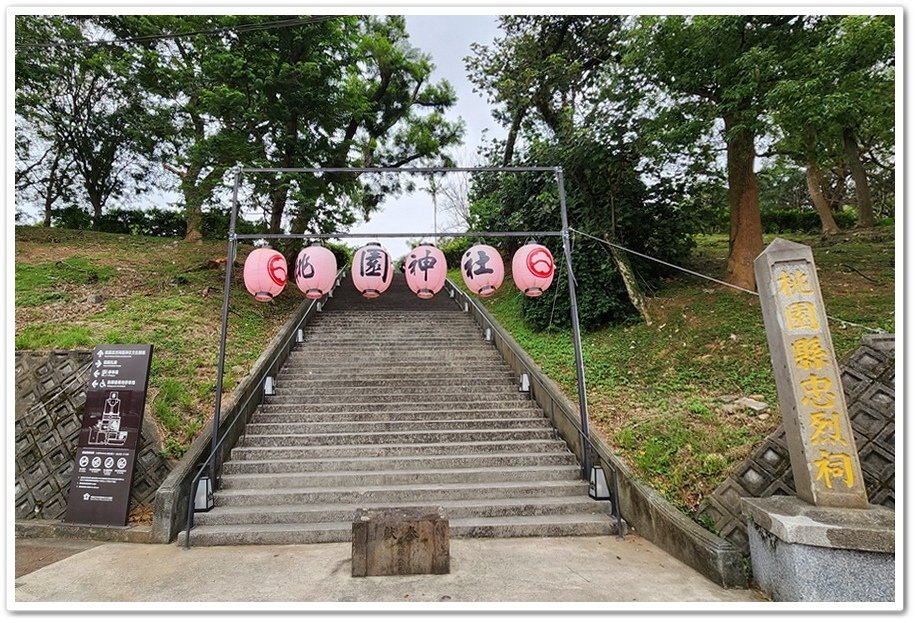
[50, 397]
[868, 382]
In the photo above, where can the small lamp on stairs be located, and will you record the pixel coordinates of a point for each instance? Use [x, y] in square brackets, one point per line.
[597, 485]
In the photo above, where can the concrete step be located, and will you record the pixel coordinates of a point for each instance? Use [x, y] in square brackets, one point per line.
[399, 436]
[454, 509]
[468, 377]
[396, 463]
[347, 386]
[399, 450]
[362, 479]
[290, 428]
[288, 393]
[471, 527]
[418, 361]
[384, 405]
[309, 416]
[400, 495]
[495, 391]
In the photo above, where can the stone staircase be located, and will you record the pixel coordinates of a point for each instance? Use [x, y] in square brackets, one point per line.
[397, 402]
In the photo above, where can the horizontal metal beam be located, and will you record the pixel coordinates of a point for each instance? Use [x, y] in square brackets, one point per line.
[441, 234]
[400, 170]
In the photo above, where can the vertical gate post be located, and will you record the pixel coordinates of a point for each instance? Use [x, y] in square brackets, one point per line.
[577, 338]
[230, 260]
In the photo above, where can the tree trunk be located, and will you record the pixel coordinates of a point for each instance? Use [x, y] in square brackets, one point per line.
[96, 202]
[277, 205]
[193, 200]
[746, 231]
[837, 194]
[863, 195]
[629, 280]
[815, 188]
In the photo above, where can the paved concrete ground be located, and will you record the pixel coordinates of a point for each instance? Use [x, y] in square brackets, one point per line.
[571, 569]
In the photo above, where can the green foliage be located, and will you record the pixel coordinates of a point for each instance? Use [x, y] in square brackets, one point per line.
[606, 198]
[453, 250]
[802, 221]
[157, 222]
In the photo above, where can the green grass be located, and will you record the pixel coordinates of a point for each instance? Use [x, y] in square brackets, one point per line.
[653, 391]
[44, 282]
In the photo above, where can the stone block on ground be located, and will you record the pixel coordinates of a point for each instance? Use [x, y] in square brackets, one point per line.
[400, 541]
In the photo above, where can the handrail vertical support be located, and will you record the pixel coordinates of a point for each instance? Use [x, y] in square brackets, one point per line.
[576, 335]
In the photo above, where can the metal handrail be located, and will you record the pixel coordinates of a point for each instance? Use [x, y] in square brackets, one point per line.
[240, 409]
[588, 446]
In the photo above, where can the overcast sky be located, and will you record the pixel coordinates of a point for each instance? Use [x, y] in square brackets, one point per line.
[447, 38]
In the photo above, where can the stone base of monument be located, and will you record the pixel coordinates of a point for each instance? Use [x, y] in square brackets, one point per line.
[801, 552]
[400, 541]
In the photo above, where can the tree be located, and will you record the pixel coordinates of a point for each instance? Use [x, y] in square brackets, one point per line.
[548, 77]
[79, 98]
[720, 67]
[829, 94]
[861, 51]
[180, 75]
[336, 92]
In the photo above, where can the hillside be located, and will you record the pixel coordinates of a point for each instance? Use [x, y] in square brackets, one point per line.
[655, 392]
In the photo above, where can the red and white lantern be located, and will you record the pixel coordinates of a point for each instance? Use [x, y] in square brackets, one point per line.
[532, 269]
[265, 273]
[424, 269]
[315, 271]
[372, 270]
[482, 269]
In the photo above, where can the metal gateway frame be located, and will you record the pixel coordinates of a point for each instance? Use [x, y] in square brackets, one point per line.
[211, 464]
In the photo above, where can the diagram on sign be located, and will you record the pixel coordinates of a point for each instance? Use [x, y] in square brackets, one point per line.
[107, 431]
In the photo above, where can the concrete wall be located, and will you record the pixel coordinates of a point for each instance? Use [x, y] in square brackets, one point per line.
[868, 382]
[50, 399]
[644, 509]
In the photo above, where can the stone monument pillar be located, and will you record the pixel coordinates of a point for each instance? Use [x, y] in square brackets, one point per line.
[798, 544]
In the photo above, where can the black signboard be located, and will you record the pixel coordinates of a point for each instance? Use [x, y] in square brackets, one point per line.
[109, 436]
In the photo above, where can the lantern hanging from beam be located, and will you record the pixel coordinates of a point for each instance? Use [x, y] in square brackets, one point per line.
[315, 271]
[532, 269]
[265, 273]
[425, 270]
[482, 269]
[372, 270]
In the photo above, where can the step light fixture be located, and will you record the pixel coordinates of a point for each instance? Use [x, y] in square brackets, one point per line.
[269, 389]
[488, 335]
[524, 383]
[203, 495]
[597, 485]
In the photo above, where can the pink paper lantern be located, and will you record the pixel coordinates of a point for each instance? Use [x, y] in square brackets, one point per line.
[265, 273]
[482, 269]
[315, 271]
[532, 269]
[425, 270]
[372, 270]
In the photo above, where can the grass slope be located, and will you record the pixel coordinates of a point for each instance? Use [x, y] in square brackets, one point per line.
[159, 291]
[653, 391]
